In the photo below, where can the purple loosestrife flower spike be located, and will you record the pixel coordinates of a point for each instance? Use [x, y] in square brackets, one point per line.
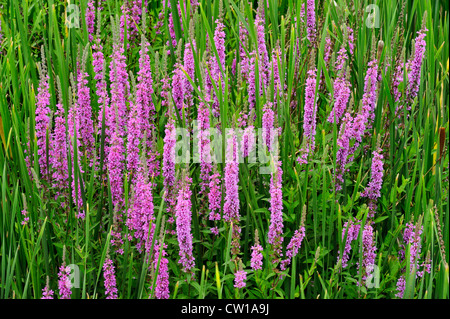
[204, 146]
[47, 293]
[397, 78]
[268, 119]
[168, 166]
[293, 246]
[251, 82]
[352, 231]
[125, 22]
[26, 219]
[401, 285]
[257, 256]
[110, 279]
[215, 200]
[412, 238]
[183, 223]
[189, 67]
[132, 12]
[341, 59]
[302, 15]
[231, 205]
[171, 26]
[343, 141]
[117, 112]
[295, 243]
[263, 56]
[116, 236]
[64, 284]
[415, 64]
[141, 214]
[90, 19]
[351, 40]
[58, 152]
[368, 251]
[342, 91]
[239, 279]
[217, 65]
[58, 149]
[84, 110]
[160, 22]
[42, 118]
[136, 15]
[116, 166]
[144, 101]
[243, 43]
[274, 71]
[248, 141]
[372, 191]
[162, 280]
[355, 128]
[178, 87]
[276, 212]
[309, 117]
[328, 50]
[370, 88]
[99, 65]
[366, 115]
[172, 33]
[311, 21]
[74, 138]
[133, 138]
[118, 74]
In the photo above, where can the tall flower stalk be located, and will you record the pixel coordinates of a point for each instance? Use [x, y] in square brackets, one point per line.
[47, 293]
[90, 19]
[99, 65]
[351, 229]
[368, 253]
[204, 147]
[141, 214]
[215, 201]
[84, 109]
[183, 222]
[231, 205]
[263, 56]
[110, 279]
[117, 112]
[58, 150]
[145, 105]
[309, 118]
[412, 241]
[311, 21]
[168, 166]
[276, 212]
[256, 256]
[218, 65]
[268, 120]
[189, 66]
[161, 265]
[296, 242]
[372, 191]
[64, 284]
[415, 64]
[74, 143]
[42, 117]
